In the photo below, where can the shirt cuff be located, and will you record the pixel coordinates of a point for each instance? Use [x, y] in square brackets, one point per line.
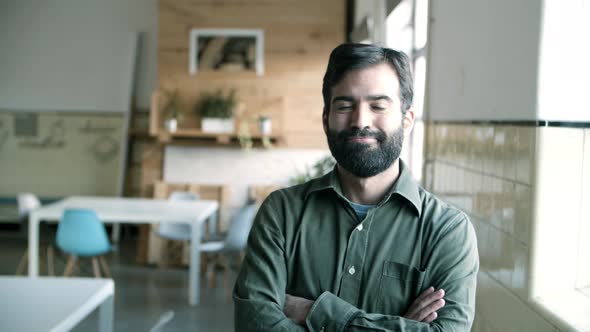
[330, 313]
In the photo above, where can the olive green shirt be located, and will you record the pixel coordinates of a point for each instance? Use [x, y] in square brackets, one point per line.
[307, 241]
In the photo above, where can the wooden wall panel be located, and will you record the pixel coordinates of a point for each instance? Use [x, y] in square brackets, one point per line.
[299, 35]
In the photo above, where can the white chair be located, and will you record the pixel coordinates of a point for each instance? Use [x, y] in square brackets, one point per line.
[234, 243]
[26, 203]
[175, 231]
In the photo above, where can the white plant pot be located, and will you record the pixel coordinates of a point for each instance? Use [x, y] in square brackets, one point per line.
[265, 126]
[171, 125]
[216, 125]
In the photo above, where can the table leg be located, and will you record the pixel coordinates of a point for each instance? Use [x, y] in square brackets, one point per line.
[212, 222]
[33, 245]
[116, 233]
[194, 265]
[105, 315]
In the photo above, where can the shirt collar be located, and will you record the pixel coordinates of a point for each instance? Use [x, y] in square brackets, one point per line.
[405, 187]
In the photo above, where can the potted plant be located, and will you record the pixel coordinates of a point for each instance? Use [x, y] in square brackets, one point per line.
[265, 125]
[171, 111]
[245, 136]
[216, 111]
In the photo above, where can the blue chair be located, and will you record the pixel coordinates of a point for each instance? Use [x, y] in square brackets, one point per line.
[81, 234]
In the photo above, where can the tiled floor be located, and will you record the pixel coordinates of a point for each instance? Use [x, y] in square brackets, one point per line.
[142, 293]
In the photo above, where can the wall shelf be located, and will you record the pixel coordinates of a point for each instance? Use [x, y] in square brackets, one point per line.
[198, 137]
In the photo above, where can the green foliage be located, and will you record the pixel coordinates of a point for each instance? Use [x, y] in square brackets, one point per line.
[318, 169]
[244, 136]
[216, 104]
[172, 107]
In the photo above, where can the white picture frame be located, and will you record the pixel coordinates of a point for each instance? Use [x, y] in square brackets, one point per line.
[197, 36]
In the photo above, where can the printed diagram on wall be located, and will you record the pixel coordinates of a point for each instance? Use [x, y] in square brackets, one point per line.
[55, 139]
[3, 133]
[26, 124]
[90, 128]
[69, 153]
[105, 148]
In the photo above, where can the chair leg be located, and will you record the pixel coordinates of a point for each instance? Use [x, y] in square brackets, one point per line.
[105, 266]
[225, 266]
[70, 265]
[163, 261]
[22, 263]
[226, 270]
[95, 267]
[204, 263]
[239, 258]
[50, 265]
[210, 272]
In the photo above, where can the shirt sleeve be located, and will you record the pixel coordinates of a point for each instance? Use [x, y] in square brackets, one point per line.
[453, 264]
[259, 292]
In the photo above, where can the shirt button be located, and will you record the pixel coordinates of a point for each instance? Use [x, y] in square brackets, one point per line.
[359, 227]
[351, 270]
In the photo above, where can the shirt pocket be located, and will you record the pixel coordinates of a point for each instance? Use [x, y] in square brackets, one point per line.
[400, 285]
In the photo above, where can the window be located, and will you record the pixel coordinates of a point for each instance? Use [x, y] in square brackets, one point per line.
[406, 30]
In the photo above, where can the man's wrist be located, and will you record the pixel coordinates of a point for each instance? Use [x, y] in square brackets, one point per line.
[330, 313]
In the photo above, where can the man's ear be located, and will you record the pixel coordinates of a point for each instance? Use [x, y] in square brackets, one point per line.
[325, 120]
[408, 121]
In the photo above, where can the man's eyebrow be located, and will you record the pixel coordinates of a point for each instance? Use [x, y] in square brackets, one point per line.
[379, 97]
[350, 99]
[343, 98]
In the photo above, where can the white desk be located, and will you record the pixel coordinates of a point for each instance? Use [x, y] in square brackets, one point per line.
[131, 210]
[54, 304]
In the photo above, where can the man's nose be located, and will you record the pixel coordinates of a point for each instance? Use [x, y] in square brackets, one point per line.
[361, 117]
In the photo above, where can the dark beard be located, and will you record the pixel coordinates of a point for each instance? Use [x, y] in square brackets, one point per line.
[361, 159]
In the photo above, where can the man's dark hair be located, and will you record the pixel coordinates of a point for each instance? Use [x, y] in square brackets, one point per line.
[347, 57]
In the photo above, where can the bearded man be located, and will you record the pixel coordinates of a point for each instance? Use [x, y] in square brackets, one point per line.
[363, 248]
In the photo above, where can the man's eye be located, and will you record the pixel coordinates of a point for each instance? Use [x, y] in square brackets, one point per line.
[378, 107]
[344, 107]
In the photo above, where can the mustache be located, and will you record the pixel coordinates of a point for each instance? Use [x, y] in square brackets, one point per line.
[365, 132]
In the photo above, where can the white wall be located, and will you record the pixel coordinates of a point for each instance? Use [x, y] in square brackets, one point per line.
[237, 168]
[564, 68]
[483, 59]
[75, 55]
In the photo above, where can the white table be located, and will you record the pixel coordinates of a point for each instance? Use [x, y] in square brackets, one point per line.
[131, 210]
[54, 304]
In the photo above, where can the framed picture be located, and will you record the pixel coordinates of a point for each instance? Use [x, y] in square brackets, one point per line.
[226, 50]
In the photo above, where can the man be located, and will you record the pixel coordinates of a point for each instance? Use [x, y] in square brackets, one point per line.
[362, 248]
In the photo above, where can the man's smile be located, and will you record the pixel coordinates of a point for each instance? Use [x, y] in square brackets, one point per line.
[362, 139]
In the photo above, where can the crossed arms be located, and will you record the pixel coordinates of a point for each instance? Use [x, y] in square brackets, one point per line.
[262, 303]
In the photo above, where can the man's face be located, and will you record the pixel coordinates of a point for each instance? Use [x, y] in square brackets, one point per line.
[365, 126]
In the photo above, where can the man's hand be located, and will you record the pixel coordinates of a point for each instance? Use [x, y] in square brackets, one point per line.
[297, 308]
[425, 306]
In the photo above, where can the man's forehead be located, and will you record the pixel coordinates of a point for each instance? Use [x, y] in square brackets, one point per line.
[371, 97]
[376, 80]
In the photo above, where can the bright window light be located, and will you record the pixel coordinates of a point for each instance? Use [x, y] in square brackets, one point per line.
[421, 23]
[399, 27]
[419, 84]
